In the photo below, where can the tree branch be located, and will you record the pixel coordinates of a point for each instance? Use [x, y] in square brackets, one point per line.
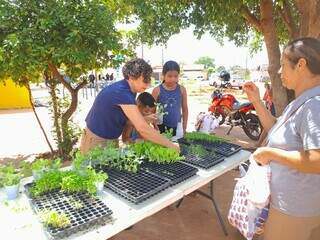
[81, 85]
[287, 18]
[251, 18]
[59, 77]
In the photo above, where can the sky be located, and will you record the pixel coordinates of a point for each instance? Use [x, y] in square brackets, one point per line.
[185, 47]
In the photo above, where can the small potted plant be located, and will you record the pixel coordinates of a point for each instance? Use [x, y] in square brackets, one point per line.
[11, 182]
[97, 179]
[39, 167]
[160, 109]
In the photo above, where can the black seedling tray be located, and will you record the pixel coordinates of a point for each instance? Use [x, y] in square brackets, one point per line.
[225, 148]
[176, 172]
[93, 211]
[135, 187]
[205, 162]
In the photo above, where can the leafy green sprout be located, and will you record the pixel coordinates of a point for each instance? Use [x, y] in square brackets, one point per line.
[168, 133]
[198, 150]
[155, 153]
[9, 176]
[54, 219]
[198, 136]
[160, 109]
[76, 204]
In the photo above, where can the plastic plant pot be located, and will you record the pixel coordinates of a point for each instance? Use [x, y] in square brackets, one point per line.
[160, 118]
[12, 191]
[99, 186]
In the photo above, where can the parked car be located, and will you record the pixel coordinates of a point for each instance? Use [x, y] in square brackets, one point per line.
[184, 78]
[237, 81]
[200, 78]
[214, 80]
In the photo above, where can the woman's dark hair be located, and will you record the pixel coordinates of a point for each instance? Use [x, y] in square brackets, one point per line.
[137, 67]
[146, 99]
[170, 66]
[307, 48]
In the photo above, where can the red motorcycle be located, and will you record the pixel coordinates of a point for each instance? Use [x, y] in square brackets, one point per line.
[226, 108]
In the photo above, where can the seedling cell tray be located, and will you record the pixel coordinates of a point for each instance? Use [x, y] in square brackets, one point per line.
[205, 162]
[89, 212]
[225, 148]
[135, 187]
[176, 172]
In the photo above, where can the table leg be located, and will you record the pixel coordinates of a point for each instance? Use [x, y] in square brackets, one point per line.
[211, 197]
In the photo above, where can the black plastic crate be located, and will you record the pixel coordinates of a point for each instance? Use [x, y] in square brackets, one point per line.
[92, 212]
[176, 172]
[135, 187]
[206, 162]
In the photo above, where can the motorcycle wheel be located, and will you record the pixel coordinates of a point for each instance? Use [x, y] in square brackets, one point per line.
[252, 128]
[222, 117]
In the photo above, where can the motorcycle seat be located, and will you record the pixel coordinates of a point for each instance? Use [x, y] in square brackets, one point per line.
[238, 105]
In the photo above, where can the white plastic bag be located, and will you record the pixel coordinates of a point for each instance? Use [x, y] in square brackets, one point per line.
[258, 184]
[249, 206]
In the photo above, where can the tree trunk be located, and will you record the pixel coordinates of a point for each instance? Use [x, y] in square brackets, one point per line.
[68, 142]
[67, 138]
[309, 18]
[38, 120]
[56, 114]
[280, 98]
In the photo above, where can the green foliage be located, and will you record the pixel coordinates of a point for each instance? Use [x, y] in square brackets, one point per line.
[111, 156]
[38, 37]
[76, 204]
[76, 35]
[160, 109]
[199, 136]
[155, 153]
[96, 176]
[198, 150]
[168, 133]
[40, 164]
[9, 176]
[73, 182]
[54, 219]
[68, 181]
[208, 62]
[49, 181]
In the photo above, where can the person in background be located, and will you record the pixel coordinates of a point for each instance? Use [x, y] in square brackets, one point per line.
[111, 77]
[293, 146]
[115, 104]
[174, 97]
[147, 107]
[268, 99]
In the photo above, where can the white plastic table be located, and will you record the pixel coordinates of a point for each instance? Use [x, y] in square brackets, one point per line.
[18, 221]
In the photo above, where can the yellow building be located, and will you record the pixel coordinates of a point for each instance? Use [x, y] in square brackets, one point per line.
[13, 96]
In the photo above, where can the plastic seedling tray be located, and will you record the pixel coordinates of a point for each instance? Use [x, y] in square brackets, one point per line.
[135, 187]
[176, 172]
[225, 148]
[82, 210]
[206, 162]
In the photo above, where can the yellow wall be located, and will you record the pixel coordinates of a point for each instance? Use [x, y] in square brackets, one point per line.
[13, 96]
